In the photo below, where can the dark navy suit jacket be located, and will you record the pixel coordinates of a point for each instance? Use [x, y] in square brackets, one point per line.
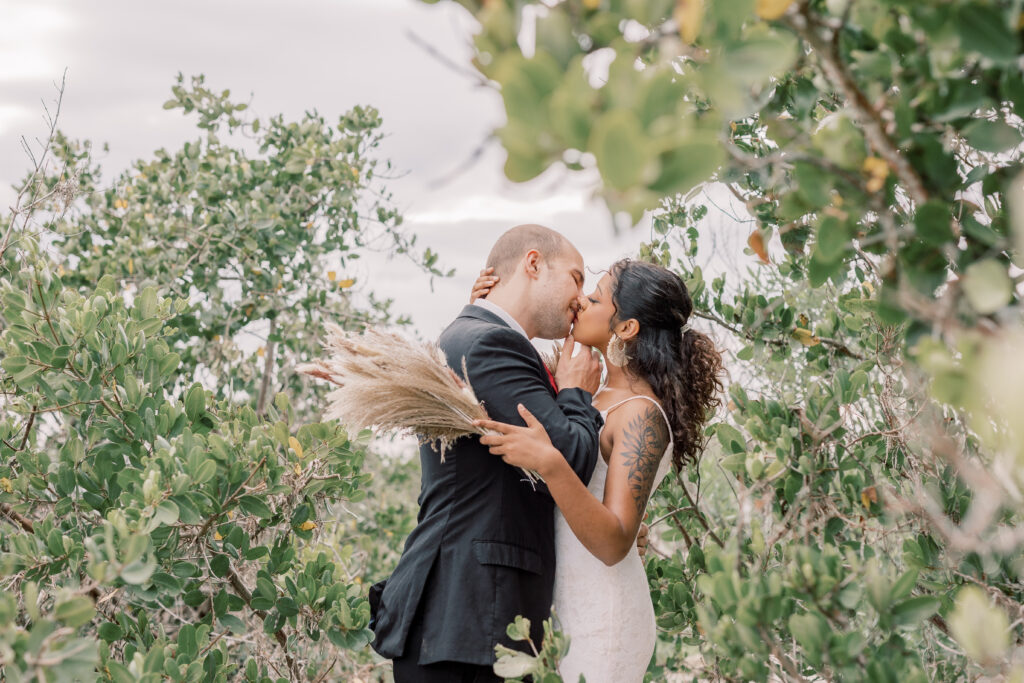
[483, 549]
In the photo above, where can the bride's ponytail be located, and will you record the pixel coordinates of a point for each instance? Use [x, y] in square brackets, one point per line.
[681, 364]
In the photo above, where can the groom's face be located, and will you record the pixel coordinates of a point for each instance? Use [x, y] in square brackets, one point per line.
[560, 288]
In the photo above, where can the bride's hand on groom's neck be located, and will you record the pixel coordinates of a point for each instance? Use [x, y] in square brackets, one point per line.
[483, 285]
[578, 367]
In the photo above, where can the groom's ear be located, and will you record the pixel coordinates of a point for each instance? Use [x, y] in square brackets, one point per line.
[531, 263]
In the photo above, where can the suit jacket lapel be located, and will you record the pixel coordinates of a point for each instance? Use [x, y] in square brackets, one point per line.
[479, 313]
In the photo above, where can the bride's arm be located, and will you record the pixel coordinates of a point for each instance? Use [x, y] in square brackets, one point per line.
[607, 529]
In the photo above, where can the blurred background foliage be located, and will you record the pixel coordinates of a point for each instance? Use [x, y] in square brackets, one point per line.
[857, 515]
[173, 508]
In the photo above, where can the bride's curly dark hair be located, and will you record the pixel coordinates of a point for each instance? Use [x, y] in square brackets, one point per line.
[683, 369]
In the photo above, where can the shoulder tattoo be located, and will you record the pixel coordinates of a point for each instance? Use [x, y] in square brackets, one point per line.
[644, 440]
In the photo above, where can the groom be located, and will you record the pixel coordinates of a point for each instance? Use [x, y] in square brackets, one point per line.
[483, 549]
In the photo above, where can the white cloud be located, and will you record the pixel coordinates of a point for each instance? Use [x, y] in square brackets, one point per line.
[491, 207]
[10, 114]
[27, 46]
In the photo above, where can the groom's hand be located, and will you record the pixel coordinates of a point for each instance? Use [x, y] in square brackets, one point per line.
[581, 371]
[643, 539]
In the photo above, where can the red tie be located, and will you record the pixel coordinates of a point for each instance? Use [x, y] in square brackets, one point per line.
[551, 378]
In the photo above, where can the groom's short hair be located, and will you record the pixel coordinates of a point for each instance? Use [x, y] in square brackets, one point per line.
[513, 245]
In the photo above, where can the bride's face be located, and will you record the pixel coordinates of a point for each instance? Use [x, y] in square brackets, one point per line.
[594, 318]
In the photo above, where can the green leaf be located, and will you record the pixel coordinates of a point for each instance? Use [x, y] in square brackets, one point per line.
[991, 136]
[205, 472]
[169, 363]
[746, 66]
[75, 611]
[146, 304]
[287, 607]
[819, 270]
[254, 506]
[879, 590]
[187, 644]
[987, 286]
[234, 624]
[166, 582]
[519, 169]
[526, 84]
[981, 628]
[933, 223]
[730, 438]
[22, 377]
[833, 239]
[14, 364]
[912, 611]
[195, 402]
[810, 631]
[985, 29]
[220, 565]
[735, 463]
[555, 37]
[1012, 89]
[688, 164]
[570, 117]
[760, 56]
[621, 148]
[904, 584]
[106, 285]
[265, 587]
[514, 664]
[519, 630]
[812, 184]
[660, 96]
[295, 164]
[166, 514]
[840, 141]
[110, 632]
[138, 572]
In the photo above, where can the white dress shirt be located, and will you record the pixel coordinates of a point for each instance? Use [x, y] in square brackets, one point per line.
[501, 313]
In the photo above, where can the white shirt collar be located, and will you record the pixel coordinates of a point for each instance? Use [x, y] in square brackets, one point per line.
[501, 313]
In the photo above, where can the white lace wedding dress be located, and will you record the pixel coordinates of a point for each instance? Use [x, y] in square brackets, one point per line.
[606, 611]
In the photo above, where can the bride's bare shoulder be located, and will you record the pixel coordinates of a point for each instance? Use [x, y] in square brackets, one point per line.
[638, 414]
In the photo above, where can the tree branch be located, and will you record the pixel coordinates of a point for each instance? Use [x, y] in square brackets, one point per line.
[268, 367]
[28, 427]
[17, 518]
[239, 587]
[697, 513]
[857, 102]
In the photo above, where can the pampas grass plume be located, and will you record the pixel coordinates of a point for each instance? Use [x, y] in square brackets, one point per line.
[388, 383]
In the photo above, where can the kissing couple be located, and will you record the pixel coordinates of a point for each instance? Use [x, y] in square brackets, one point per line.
[490, 544]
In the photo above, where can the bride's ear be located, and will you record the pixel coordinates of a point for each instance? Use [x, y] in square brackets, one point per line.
[627, 329]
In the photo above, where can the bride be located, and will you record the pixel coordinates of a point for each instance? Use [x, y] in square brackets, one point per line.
[662, 386]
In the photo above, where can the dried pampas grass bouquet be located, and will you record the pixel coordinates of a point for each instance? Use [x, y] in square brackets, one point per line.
[388, 383]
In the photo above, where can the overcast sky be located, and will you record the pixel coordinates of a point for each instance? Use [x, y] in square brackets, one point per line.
[122, 57]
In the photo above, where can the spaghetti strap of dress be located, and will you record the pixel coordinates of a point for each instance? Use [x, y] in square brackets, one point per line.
[663, 413]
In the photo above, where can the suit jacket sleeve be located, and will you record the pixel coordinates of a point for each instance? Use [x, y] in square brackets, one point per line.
[505, 370]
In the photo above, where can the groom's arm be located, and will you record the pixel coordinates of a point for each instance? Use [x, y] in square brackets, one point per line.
[502, 369]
